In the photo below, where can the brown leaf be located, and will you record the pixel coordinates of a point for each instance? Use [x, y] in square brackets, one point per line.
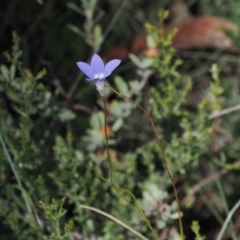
[193, 32]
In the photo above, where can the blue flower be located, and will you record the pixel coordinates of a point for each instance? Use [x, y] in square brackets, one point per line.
[96, 71]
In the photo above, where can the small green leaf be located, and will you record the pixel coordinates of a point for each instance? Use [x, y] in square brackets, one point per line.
[146, 63]
[12, 71]
[136, 86]
[18, 54]
[97, 34]
[135, 59]
[174, 215]
[5, 72]
[20, 111]
[75, 8]
[121, 85]
[117, 124]
[13, 96]
[62, 213]
[76, 30]
[97, 120]
[66, 115]
[79, 156]
[150, 41]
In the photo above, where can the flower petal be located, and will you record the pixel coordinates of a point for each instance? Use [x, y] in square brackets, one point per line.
[110, 66]
[86, 69]
[97, 64]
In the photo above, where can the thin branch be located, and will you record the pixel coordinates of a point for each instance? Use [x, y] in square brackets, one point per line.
[206, 181]
[227, 220]
[115, 220]
[15, 173]
[80, 107]
[39, 19]
[75, 83]
[114, 20]
[224, 112]
[203, 183]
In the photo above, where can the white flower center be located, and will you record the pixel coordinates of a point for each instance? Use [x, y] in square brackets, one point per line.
[98, 76]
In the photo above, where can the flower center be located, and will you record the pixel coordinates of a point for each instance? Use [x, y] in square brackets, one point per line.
[98, 76]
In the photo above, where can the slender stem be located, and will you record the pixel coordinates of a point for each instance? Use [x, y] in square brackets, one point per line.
[58, 229]
[115, 220]
[15, 173]
[163, 157]
[106, 137]
[114, 20]
[57, 223]
[224, 202]
[229, 216]
[110, 166]
[224, 112]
